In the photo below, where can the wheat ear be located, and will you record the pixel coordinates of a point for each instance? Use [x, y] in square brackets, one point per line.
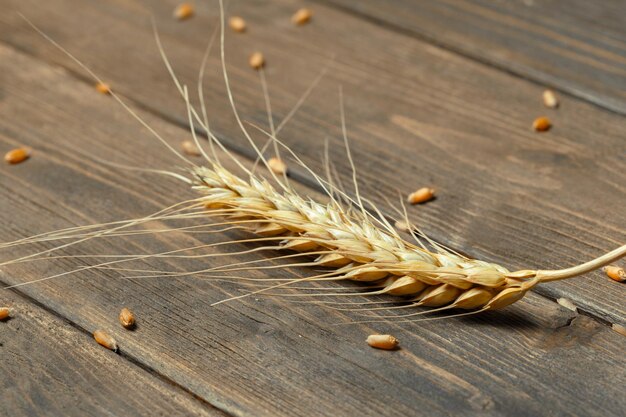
[357, 249]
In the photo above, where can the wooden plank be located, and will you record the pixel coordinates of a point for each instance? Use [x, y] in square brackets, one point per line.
[50, 368]
[262, 356]
[417, 115]
[577, 47]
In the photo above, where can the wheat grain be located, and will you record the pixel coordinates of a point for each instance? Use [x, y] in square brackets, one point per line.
[18, 155]
[567, 303]
[301, 17]
[190, 148]
[542, 124]
[615, 273]
[5, 313]
[550, 100]
[382, 341]
[127, 318]
[257, 61]
[237, 24]
[277, 166]
[421, 196]
[105, 339]
[183, 11]
[402, 226]
[103, 88]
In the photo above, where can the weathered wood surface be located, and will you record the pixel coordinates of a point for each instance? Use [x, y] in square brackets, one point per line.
[266, 356]
[417, 115]
[578, 46]
[51, 368]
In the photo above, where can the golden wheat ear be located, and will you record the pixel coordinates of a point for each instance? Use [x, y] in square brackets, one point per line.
[353, 247]
[361, 247]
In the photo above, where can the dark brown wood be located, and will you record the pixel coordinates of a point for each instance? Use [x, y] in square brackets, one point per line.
[578, 47]
[261, 356]
[51, 368]
[417, 115]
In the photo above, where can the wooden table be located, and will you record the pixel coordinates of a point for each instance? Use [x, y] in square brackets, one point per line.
[436, 93]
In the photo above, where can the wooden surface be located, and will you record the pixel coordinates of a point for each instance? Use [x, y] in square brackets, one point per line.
[51, 368]
[416, 114]
[575, 46]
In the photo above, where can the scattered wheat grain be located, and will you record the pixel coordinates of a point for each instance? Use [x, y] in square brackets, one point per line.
[567, 304]
[183, 11]
[127, 318]
[190, 148]
[541, 124]
[15, 156]
[105, 339]
[382, 341]
[402, 226]
[421, 196]
[619, 329]
[237, 24]
[257, 61]
[550, 100]
[277, 166]
[301, 17]
[103, 88]
[4, 313]
[615, 273]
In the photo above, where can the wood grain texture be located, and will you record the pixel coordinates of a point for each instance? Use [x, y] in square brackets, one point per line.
[261, 356]
[417, 115]
[50, 368]
[578, 47]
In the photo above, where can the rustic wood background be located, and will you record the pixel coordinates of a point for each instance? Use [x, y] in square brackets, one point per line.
[439, 93]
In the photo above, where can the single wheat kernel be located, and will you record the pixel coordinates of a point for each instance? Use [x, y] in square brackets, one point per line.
[105, 339]
[127, 318]
[103, 88]
[257, 61]
[567, 304]
[4, 313]
[541, 124]
[183, 11]
[15, 156]
[550, 100]
[619, 329]
[615, 273]
[421, 196]
[382, 341]
[237, 24]
[402, 226]
[190, 148]
[405, 286]
[277, 166]
[301, 17]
